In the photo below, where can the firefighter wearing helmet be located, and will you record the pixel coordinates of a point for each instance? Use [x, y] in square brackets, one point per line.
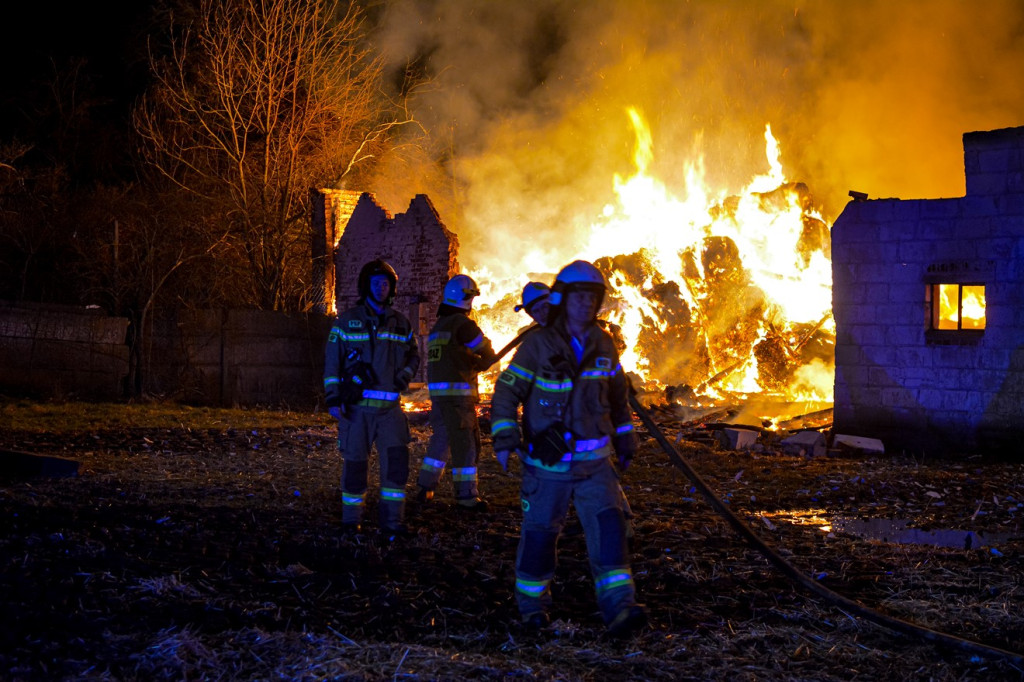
[536, 302]
[457, 352]
[370, 358]
[576, 421]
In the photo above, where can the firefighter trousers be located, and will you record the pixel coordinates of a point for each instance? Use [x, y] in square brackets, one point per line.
[593, 488]
[358, 431]
[455, 436]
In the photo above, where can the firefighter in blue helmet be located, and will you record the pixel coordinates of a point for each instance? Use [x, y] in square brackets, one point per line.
[536, 302]
[371, 356]
[457, 352]
[576, 421]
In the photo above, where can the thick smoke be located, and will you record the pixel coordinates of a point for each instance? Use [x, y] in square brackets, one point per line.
[526, 104]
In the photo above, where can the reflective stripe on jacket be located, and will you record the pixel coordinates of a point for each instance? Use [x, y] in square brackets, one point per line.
[590, 399]
[457, 351]
[387, 344]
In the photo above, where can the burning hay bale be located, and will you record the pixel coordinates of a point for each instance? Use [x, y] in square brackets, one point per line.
[715, 324]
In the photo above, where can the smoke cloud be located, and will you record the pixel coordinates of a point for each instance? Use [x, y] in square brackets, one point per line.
[527, 104]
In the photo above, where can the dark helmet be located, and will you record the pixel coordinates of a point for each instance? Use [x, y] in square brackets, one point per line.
[371, 270]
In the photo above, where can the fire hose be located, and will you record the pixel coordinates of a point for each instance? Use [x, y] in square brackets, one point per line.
[792, 572]
[514, 342]
[845, 604]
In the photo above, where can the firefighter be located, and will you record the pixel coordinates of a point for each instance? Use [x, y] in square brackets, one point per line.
[457, 352]
[536, 303]
[575, 420]
[536, 297]
[371, 356]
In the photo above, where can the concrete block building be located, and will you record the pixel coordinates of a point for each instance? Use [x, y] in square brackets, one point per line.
[928, 297]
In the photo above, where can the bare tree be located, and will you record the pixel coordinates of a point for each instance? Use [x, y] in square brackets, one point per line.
[255, 103]
[33, 217]
[137, 254]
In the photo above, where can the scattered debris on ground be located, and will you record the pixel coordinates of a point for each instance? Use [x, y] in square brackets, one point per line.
[199, 551]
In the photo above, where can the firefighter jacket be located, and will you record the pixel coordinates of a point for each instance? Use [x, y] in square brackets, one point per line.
[369, 358]
[583, 393]
[456, 352]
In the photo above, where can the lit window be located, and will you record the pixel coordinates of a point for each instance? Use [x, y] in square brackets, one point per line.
[957, 306]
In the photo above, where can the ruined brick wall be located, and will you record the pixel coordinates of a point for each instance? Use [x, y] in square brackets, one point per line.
[416, 243]
[331, 210]
[897, 381]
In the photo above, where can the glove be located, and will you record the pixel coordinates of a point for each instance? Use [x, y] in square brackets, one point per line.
[625, 446]
[551, 446]
[403, 378]
[503, 456]
[334, 412]
[358, 378]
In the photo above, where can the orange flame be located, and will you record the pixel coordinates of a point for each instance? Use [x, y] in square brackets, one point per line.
[717, 292]
[961, 307]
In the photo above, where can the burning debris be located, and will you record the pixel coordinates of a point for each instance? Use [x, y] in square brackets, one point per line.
[721, 300]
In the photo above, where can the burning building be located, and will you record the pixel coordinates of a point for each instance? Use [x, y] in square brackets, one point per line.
[928, 298]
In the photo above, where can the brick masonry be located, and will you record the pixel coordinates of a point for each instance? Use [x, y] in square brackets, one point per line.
[416, 243]
[332, 209]
[918, 391]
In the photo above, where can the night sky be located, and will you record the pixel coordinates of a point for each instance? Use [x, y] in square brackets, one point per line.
[109, 36]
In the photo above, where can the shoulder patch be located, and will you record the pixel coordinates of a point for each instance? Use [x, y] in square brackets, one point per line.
[355, 324]
[507, 378]
[603, 363]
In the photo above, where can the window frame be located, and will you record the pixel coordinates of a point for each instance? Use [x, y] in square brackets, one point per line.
[958, 336]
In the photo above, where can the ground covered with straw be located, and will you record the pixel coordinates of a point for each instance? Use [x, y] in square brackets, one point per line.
[205, 544]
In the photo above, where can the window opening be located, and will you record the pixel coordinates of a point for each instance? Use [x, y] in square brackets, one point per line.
[957, 306]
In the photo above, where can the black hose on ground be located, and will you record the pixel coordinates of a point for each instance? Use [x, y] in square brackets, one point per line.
[846, 605]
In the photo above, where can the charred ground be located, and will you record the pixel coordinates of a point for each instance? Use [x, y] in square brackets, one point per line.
[212, 550]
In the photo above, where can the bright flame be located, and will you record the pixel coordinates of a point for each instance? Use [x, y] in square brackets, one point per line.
[948, 300]
[717, 292]
[963, 304]
[972, 307]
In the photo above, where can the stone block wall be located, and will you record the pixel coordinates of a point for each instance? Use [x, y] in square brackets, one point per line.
[52, 351]
[896, 380]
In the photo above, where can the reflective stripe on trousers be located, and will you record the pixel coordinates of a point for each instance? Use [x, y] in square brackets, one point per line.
[593, 487]
[455, 437]
[360, 431]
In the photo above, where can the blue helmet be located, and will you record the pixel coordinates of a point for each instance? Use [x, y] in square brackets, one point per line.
[460, 291]
[578, 275]
[533, 293]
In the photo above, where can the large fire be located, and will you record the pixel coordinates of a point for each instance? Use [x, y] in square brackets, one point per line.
[715, 294]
